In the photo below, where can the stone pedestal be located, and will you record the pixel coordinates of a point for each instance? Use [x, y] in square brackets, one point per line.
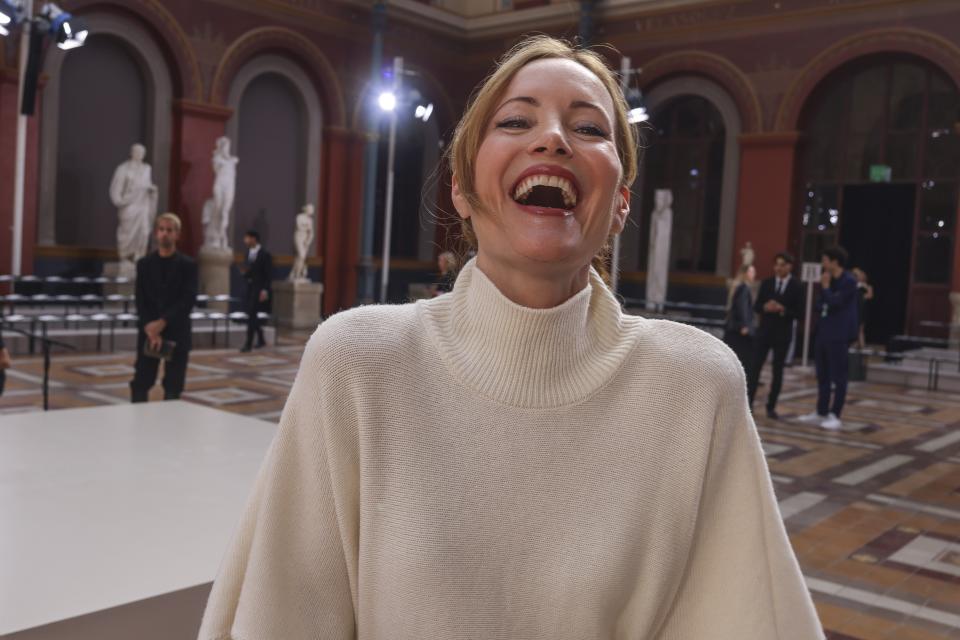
[113, 270]
[955, 317]
[296, 305]
[214, 266]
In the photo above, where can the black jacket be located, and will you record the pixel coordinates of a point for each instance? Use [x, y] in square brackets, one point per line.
[259, 273]
[740, 314]
[779, 326]
[167, 288]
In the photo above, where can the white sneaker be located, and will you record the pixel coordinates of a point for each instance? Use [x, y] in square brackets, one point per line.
[811, 418]
[832, 423]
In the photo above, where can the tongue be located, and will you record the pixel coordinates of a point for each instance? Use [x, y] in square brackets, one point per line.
[543, 196]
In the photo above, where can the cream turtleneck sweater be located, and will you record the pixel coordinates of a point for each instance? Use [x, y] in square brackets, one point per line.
[467, 468]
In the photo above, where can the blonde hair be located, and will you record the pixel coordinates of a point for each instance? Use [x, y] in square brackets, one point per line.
[738, 279]
[469, 134]
[171, 217]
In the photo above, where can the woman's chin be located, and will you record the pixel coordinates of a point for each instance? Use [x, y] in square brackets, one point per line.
[559, 251]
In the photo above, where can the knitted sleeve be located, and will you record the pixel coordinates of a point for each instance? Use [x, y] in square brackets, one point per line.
[290, 571]
[742, 579]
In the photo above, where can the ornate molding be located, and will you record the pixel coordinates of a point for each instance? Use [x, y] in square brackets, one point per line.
[172, 38]
[203, 110]
[715, 67]
[930, 46]
[302, 50]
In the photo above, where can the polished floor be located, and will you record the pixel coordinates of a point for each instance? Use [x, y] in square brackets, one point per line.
[873, 511]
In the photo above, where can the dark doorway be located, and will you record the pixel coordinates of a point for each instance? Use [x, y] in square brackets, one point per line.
[877, 229]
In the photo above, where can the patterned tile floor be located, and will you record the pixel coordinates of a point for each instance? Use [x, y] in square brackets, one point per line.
[873, 511]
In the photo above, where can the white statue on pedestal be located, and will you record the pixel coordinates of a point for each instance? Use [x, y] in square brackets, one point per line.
[216, 210]
[658, 257]
[302, 239]
[747, 255]
[133, 193]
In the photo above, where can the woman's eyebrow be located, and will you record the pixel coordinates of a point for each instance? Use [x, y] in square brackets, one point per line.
[527, 99]
[583, 104]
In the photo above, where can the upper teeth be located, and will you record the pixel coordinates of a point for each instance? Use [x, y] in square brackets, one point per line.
[527, 184]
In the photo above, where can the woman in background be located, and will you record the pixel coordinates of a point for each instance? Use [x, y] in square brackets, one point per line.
[740, 327]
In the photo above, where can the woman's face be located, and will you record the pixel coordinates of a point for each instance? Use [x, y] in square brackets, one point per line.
[547, 171]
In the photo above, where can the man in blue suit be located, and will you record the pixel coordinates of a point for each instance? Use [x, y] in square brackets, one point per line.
[836, 329]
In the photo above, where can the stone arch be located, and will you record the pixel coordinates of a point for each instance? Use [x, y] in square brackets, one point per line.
[718, 70]
[666, 91]
[143, 46]
[277, 39]
[176, 46]
[931, 47]
[293, 73]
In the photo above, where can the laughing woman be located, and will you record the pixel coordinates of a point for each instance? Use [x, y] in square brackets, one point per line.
[518, 458]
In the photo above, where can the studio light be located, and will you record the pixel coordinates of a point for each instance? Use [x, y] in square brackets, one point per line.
[10, 15]
[387, 101]
[68, 31]
[637, 115]
[638, 112]
[423, 111]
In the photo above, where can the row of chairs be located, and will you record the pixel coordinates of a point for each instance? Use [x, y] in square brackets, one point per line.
[41, 324]
[80, 280]
[88, 300]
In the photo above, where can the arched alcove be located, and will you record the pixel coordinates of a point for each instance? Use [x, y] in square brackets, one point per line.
[94, 99]
[713, 181]
[276, 132]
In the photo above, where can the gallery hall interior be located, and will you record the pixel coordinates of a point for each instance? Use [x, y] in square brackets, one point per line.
[479, 319]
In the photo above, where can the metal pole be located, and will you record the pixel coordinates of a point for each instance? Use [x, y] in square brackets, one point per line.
[370, 159]
[806, 323]
[20, 160]
[388, 205]
[615, 258]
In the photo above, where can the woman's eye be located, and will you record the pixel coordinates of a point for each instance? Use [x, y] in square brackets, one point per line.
[592, 130]
[513, 123]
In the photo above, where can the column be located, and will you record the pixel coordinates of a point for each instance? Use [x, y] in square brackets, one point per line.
[765, 195]
[341, 213]
[196, 127]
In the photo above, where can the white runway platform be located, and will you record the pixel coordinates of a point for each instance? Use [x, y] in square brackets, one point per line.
[113, 520]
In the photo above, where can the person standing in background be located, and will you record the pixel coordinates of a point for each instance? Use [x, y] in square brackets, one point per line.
[257, 271]
[836, 329]
[739, 329]
[5, 363]
[779, 302]
[165, 295]
[864, 295]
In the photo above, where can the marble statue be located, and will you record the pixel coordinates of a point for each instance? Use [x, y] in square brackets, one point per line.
[133, 193]
[302, 240]
[216, 210]
[658, 257]
[747, 255]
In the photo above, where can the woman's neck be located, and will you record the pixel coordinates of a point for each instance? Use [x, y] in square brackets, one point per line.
[535, 290]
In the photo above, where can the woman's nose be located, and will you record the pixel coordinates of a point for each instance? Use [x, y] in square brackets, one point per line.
[551, 142]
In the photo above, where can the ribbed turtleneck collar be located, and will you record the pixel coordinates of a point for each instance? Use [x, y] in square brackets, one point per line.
[535, 358]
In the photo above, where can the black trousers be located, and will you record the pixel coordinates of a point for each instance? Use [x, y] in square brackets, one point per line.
[762, 346]
[253, 321]
[742, 346]
[832, 363]
[145, 371]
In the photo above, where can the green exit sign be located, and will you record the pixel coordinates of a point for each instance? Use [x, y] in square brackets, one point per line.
[880, 173]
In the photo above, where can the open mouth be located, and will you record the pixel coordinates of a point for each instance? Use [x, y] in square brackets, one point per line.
[545, 191]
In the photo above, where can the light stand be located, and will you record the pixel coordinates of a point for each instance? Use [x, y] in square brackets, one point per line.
[388, 205]
[68, 33]
[391, 101]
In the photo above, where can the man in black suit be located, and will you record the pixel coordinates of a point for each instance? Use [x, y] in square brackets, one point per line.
[779, 303]
[165, 294]
[258, 272]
